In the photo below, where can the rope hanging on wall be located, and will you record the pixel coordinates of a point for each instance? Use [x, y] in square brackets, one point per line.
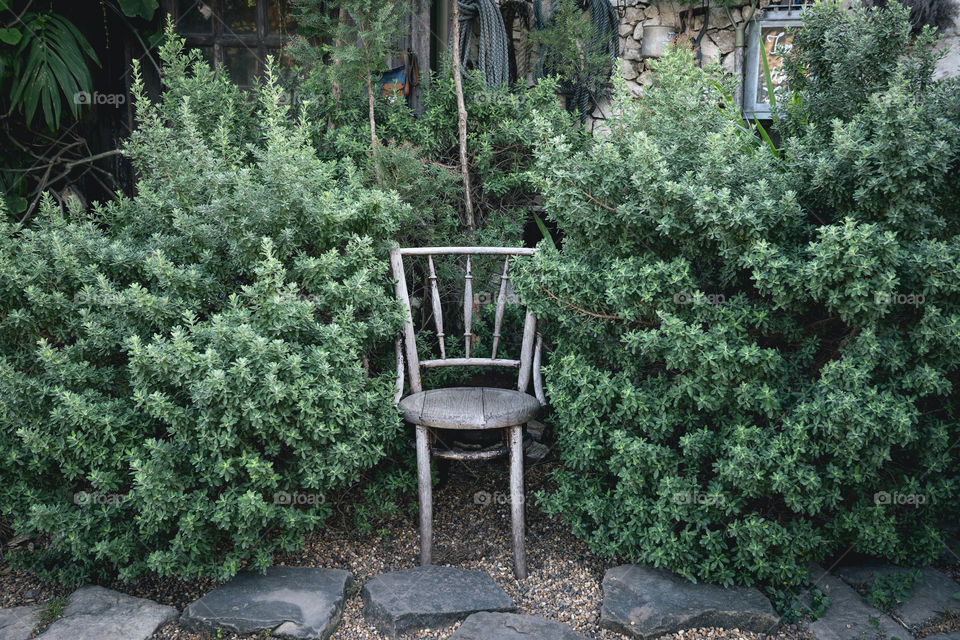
[516, 12]
[605, 40]
[493, 57]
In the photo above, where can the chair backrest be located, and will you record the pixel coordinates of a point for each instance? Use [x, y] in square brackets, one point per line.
[531, 344]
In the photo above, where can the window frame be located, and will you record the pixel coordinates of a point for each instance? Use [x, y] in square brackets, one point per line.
[260, 42]
[783, 16]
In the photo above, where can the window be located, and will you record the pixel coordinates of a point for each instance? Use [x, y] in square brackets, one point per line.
[772, 26]
[236, 34]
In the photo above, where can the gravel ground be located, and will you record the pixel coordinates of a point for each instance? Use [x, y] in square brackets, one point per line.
[946, 624]
[563, 584]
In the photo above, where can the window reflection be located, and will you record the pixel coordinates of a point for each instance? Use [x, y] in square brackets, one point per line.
[195, 16]
[240, 16]
[241, 64]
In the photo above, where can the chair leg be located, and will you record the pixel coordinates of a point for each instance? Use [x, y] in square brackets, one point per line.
[426, 496]
[516, 501]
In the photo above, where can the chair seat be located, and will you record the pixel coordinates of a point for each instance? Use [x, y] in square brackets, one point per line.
[469, 408]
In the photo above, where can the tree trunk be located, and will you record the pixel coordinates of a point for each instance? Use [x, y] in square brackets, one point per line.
[461, 118]
[374, 143]
[342, 17]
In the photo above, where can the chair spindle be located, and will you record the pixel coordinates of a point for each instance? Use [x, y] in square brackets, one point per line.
[437, 311]
[468, 310]
[501, 303]
[526, 351]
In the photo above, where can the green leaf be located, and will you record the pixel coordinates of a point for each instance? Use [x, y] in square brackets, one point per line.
[11, 35]
[768, 79]
[138, 8]
[543, 230]
[50, 67]
[16, 204]
[766, 137]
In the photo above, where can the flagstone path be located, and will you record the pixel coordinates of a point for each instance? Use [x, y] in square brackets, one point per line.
[638, 602]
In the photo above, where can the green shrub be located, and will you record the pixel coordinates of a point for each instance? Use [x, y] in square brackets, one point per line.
[756, 354]
[185, 374]
[887, 592]
[502, 127]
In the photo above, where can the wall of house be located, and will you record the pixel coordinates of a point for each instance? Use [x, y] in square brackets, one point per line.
[716, 45]
[949, 65]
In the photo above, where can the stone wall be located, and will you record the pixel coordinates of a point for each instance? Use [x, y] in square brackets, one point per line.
[949, 66]
[716, 45]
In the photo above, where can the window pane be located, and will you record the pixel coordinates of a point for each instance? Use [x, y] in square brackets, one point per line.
[194, 16]
[278, 15]
[207, 53]
[241, 64]
[239, 16]
[775, 41]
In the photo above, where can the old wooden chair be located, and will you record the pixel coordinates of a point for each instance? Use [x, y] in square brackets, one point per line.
[467, 407]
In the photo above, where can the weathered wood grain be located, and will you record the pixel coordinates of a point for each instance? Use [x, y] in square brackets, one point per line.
[491, 454]
[501, 304]
[516, 502]
[425, 490]
[437, 311]
[468, 310]
[463, 251]
[398, 347]
[470, 362]
[469, 408]
[537, 375]
[410, 342]
[526, 351]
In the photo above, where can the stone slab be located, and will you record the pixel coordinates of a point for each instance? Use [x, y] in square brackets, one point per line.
[96, 613]
[295, 602]
[17, 623]
[931, 597]
[848, 616]
[513, 626]
[643, 602]
[954, 635]
[429, 596]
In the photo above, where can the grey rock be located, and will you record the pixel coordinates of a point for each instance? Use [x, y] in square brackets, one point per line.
[536, 428]
[644, 602]
[513, 626]
[296, 602]
[951, 551]
[930, 598]
[848, 616]
[96, 613]
[17, 623]
[858, 575]
[955, 635]
[429, 596]
[536, 451]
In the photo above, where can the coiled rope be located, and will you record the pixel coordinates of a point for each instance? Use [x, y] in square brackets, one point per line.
[605, 40]
[493, 57]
